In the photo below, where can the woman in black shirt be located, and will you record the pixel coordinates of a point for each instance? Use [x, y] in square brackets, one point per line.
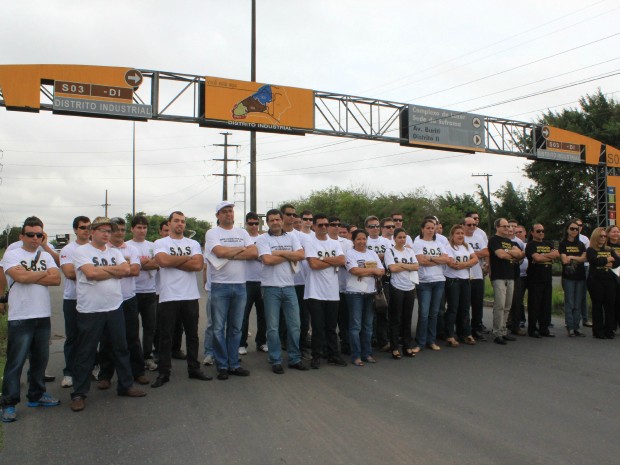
[573, 257]
[602, 284]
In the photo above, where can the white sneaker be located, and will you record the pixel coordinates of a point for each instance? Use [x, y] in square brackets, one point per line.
[209, 360]
[150, 364]
[95, 372]
[67, 381]
[243, 351]
[263, 348]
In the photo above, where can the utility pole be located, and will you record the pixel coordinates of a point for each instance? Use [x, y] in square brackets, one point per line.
[106, 204]
[487, 175]
[225, 174]
[253, 133]
[133, 176]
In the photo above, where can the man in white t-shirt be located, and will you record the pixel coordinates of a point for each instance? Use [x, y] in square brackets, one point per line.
[333, 231]
[179, 258]
[322, 292]
[379, 245]
[30, 272]
[99, 270]
[305, 233]
[253, 293]
[280, 252]
[145, 287]
[81, 228]
[130, 311]
[397, 218]
[479, 244]
[228, 248]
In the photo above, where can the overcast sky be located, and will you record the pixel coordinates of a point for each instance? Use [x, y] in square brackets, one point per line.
[448, 54]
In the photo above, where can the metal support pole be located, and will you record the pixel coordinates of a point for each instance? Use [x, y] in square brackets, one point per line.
[133, 203]
[253, 133]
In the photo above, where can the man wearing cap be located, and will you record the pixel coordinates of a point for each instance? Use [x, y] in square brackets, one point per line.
[99, 270]
[228, 248]
[130, 311]
[179, 258]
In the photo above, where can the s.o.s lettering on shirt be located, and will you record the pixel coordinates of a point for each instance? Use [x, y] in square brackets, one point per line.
[326, 253]
[434, 252]
[104, 262]
[378, 249]
[403, 260]
[178, 251]
[41, 265]
[461, 258]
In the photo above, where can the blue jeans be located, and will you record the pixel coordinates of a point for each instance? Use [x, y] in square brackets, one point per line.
[285, 298]
[429, 300]
[573, 295]
[209, 329]
[29, 336]
[69, 309]
[458, 298]
[361, 313]
[227, 309]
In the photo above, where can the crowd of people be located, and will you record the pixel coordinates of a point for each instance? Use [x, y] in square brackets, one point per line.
[322, 290]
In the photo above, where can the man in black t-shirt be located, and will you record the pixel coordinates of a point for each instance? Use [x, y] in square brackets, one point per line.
[503, 254]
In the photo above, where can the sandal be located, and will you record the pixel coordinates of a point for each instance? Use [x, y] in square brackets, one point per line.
[396, 355]
[452, 342]
[433, 346]
[415, 351]
[410, 353]
[470, 341]
[370, 359]
[358, 362]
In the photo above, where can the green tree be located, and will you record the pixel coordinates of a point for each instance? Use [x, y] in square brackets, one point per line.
[13, 235]
[564, 190]
[512, 204]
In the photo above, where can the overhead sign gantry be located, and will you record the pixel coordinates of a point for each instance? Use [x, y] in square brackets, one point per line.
[142, 94]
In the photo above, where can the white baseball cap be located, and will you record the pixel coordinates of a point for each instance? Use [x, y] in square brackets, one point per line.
[223, 204]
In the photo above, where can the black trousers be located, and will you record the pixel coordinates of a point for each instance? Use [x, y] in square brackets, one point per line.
[169, 313]
[324, 316]
[254, 298]
[539, 307]
[132, 335]
[147, 309]
[400, 308]
[343, 320]
[603, 295]
[477, 302]
[304, 314]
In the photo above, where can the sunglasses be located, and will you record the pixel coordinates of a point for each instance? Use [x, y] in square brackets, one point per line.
[334, 225]
[31, 235]
[538, 231]
[372, 226]
[470, 224]
[321, 225]
[389, 227]
[580, 225]
[252, 223]
[602, 236]
[83, 228]
[307, 219]
[294, 215]
[572, 228]
[104, 231]
[397, 220]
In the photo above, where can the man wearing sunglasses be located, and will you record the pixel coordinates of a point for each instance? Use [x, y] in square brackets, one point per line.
[30, 273]
[540, 255]
[397, 218]
[333, 231]
[304, 234]
[81, 228]
[99, 270]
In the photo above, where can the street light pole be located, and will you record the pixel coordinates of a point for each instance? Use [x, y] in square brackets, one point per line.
[486, 175]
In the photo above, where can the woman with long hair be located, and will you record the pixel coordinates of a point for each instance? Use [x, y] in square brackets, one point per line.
[458, 287]
[573, 257]
[602, 284]
[402, 263]
[431, 256]
[364, 267]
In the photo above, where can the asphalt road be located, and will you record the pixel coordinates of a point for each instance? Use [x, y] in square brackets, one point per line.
[547, 401]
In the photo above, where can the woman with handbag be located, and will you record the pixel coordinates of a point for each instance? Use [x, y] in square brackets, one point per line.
[573, 257]
[403, 266]
[458, 287]
[365, 269]
[602, 284]
[431, 256]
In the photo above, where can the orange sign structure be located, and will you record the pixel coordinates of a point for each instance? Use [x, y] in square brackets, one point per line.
[259, 107]
[20, 84]
[567, 140]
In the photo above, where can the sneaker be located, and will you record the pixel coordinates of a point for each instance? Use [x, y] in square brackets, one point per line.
[45, 401]
[262, 348]
[579, 333]
[49, 378]
[571, 333]
[209, 360]
[95, 373]
[67, 381]
[239, 372]
[243, 350]
[587, 324]
[9, 414]
[277, 369]
[150, 364]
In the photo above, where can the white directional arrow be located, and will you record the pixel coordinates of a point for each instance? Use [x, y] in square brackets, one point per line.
[133, 77]
[477, 139]
[545, 132]
[476, 122]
